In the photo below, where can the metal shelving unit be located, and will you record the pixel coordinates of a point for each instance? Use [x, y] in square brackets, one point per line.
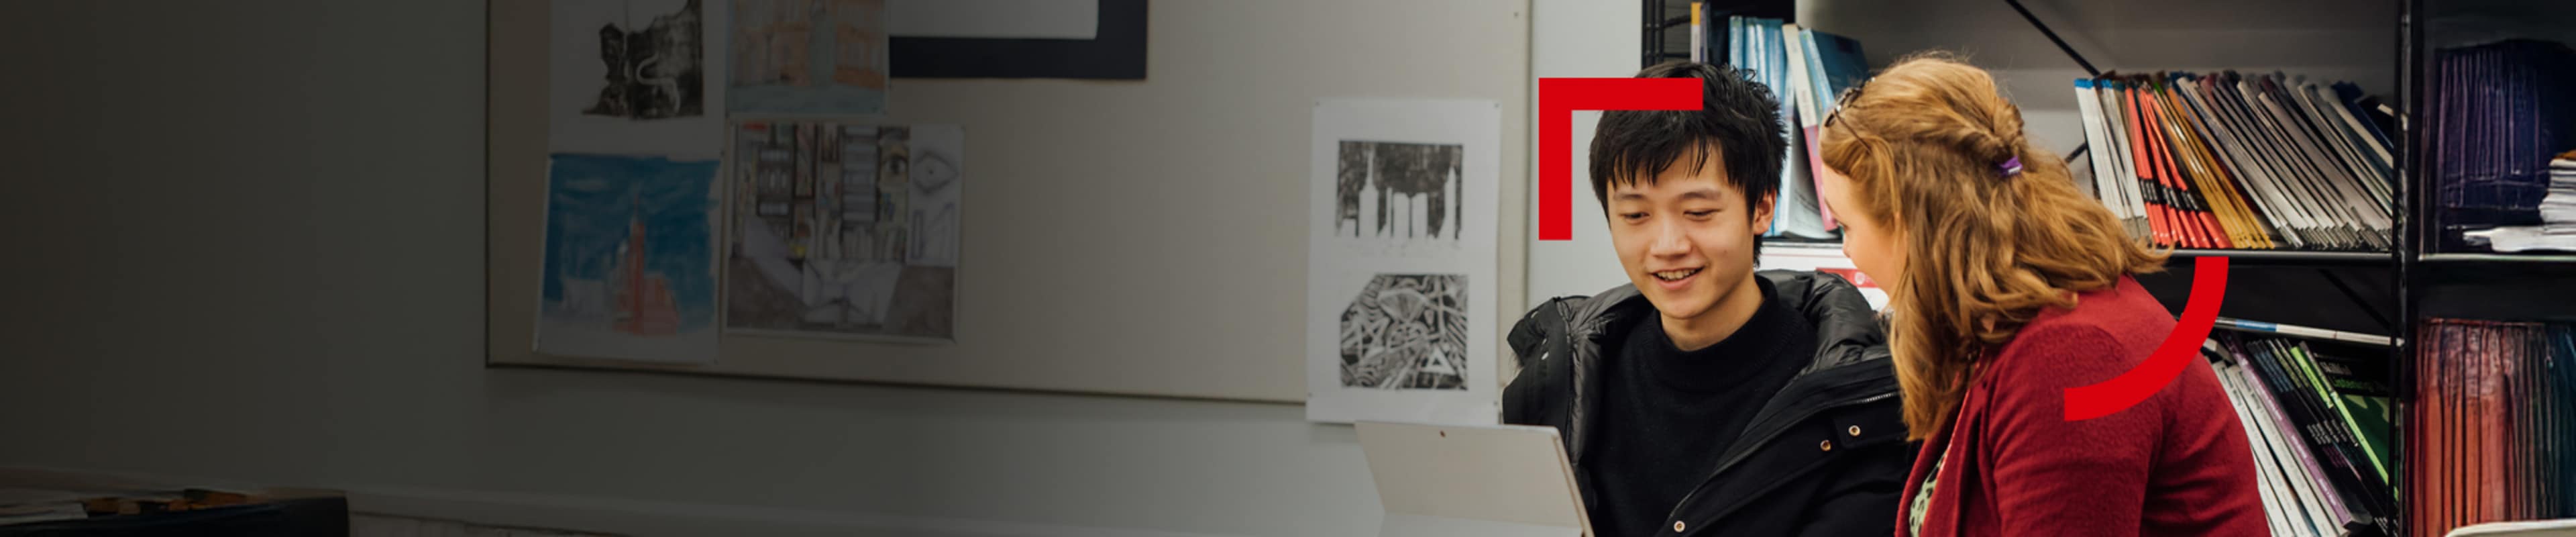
[2424, 282]
[2333, 267]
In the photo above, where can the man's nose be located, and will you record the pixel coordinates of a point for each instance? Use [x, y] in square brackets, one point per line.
[1670, 240]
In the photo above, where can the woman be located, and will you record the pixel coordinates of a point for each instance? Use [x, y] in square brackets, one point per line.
[2007, 287]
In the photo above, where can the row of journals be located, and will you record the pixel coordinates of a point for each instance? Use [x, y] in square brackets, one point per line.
[2319, 419]
[2241, 161]
[1806, 69]
[2491, 431]
[2500, 112]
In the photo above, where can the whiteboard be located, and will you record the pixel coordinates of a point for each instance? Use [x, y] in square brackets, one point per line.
[1138, 238]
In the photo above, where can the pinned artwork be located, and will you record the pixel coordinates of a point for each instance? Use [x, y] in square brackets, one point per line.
[1401, 262]
[635, 77]
[630, 264]
[809, 57]
[844, 230]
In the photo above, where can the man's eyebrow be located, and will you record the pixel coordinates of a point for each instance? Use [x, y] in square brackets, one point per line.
[1704, 193]
[1708, 194]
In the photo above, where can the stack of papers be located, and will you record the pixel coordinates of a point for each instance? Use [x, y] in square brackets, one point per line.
[2558, 209]
[2557, 229]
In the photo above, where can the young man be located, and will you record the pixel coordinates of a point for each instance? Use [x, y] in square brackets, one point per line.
[1705, 398]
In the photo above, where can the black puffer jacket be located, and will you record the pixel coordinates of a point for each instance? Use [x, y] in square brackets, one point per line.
[1826, 455]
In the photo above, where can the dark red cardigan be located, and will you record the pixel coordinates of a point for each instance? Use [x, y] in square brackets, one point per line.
[2177, 464]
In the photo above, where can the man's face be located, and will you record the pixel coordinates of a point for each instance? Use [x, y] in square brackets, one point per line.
[1687, 239]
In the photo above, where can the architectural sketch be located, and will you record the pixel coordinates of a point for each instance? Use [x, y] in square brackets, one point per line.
[809, 57]
[1407, 331]
[933, 163]
[1416, 187]
[824, 234]
[629, 268]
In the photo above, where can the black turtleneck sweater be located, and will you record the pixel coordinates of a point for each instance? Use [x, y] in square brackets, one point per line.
[1667, 414]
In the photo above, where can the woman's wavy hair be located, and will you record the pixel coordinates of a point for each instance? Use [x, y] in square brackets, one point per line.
[1926, 145]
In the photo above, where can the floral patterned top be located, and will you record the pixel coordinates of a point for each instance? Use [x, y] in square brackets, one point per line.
[1923, 496]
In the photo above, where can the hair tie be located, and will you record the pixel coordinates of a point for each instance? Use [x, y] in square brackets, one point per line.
[2011, 167]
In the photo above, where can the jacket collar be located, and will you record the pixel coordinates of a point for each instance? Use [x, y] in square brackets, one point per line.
[1845, 325]
[1847, 333]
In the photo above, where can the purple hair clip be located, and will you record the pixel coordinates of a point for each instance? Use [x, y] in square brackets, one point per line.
[2011, 167]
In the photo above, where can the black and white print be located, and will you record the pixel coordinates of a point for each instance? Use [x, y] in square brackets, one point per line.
[635, 77]
[1404, 215]
[1394, 190]
[1407, 332]
[654, 70]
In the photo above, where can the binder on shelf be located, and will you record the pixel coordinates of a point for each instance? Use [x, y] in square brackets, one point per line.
[1698, 33]
[2300, 504]
[1805, 70]
[2149, 170]
[2315, 457]
[1833, 63]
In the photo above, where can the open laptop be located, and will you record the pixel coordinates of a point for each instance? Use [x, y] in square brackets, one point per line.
[1480, 480]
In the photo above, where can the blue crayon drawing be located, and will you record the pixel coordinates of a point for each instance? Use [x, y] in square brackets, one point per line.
[629, 256]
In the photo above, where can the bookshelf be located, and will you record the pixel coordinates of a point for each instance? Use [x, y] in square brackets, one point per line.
[2388, 47]
[2442, 279]
[2033, 62]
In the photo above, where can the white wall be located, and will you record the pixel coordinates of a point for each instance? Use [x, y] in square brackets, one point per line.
[249, 247]
[1576, 38]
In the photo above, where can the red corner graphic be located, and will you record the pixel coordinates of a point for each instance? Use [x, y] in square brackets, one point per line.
[1558, 98]
[2208, 289]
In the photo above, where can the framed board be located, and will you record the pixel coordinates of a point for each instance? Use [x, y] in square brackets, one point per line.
[1124, 237]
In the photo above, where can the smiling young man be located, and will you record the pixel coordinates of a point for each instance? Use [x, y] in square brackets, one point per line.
[1705, 397]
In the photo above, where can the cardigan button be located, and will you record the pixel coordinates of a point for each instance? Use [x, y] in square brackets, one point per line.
[1677, 526]
[1827, 445]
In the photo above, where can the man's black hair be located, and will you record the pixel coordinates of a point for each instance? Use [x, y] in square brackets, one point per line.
[1738, 118]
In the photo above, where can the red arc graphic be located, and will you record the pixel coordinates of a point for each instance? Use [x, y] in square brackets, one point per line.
[2208, 289]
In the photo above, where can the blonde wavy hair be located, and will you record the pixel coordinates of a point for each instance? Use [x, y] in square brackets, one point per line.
[1922, 144]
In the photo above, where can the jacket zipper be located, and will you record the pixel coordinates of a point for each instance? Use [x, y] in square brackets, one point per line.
[1757, 491]
[1764, 439]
